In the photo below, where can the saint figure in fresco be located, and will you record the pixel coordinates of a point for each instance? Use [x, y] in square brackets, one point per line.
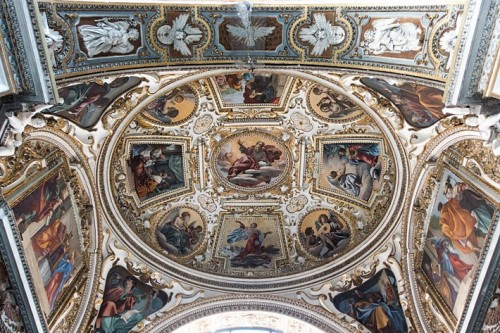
[449, 259]
[333, 104]
[40, 204]
[60, 276]
[354, 167]
[162, 113]
[156, 169]
[255, 156]
[421, 106]
[49, 238]
[254, 238]
[83, 103]
[117, 313]
[259, 90]
[376, 307]
[327, 237]
[180, 233]
[464, 216]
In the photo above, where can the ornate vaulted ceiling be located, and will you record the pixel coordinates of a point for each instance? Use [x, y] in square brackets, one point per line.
[292, 166]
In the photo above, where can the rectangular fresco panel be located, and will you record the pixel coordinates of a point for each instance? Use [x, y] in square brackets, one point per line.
[350, 168]
[459, 222]
[156, 169]
[250, 243]
[250, 89]
[48, 224]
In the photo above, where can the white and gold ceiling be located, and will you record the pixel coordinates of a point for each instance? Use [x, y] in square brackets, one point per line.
[193, 173]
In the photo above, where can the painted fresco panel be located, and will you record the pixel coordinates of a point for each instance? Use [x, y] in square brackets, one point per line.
[172, 108]
[350, 168]
[252, 161]
[420, 105]
[126, 302]
[323, 233]
[250, 242]
[48, 223]
[84, 104]
[156, 169]
[250, 89]
[181, 232]
[375, 304]
[330, 105]
[459, 222]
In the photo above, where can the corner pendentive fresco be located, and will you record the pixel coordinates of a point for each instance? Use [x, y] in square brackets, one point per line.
[421, 106]
[126, 302]
[85, 103]
[375, 304]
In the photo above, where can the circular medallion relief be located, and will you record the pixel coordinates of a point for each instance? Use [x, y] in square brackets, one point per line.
[180, 231]
[323, 233]
[251, 161]
[331, 106]
[174, 107]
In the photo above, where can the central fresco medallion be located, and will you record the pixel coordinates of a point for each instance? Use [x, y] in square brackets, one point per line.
[253, 175]
[251, 161]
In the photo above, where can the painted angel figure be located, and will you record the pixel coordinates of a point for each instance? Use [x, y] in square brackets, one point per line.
[106, 36]
[389, 35]
[180, 34]
[321, 34]
[247, 32]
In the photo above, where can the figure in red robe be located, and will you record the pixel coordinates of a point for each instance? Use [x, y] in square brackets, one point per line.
[117, 300]
[255, 156]
[254, 238]
[40, 203]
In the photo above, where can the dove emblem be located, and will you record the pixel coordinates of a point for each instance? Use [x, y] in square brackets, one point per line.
[247, 32]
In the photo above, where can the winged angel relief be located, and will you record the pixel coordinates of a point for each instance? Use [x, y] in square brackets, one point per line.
[321, 34]
[248, 33]
[180, 34]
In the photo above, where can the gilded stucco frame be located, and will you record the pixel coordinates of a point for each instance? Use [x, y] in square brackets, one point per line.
[449, 163]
